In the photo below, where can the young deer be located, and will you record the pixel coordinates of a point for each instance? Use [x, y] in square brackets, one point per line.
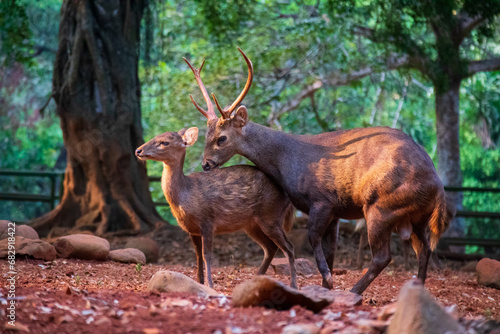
[222, 201]
[377, 173]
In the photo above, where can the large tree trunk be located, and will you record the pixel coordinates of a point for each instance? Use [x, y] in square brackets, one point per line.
[97, 91]
[448, 147]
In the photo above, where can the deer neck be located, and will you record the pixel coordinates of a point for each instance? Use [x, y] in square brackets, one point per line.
[270, 150]
[173, 180]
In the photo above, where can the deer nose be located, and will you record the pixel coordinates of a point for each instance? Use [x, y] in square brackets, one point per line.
[138, 151]
[206, 166]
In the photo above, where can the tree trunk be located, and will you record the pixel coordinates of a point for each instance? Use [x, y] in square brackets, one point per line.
[448, 147]
[97, 91]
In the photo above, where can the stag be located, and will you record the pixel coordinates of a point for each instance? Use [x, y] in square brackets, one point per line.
[378, 173]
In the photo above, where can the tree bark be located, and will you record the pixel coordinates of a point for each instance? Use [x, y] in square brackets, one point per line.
[97, 91]
[448, 147]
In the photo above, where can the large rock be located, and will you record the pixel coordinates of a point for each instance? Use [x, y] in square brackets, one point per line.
[82, 246]
[270, 293]
[20, 230]
[418, 313]
[36, 248]
[171, 281]
[344, 298]
[146, 245]
[488, 273]
[127, 255]
[303, 266]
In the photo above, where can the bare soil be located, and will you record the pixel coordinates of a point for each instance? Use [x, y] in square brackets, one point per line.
[75, 296]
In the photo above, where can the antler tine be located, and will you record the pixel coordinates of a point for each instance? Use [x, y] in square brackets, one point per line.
[210, 113]
[226, 113]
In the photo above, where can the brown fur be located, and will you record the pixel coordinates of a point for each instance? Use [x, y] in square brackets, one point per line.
[222, 201]
[378, 173]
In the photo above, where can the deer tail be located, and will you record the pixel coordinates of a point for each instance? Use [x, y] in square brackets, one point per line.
[289, 215]
[443, 212]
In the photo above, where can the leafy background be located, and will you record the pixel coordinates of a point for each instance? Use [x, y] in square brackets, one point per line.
[291, 44]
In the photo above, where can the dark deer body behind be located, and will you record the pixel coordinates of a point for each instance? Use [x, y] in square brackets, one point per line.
[377, 173]
[222, 201]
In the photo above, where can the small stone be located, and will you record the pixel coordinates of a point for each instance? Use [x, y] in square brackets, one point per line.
[146, 245]
[488, 273]
[418, 313]
[339, 271]
[171, 281]
[127, 255]
[270, 293]
[38, 249]
[82, 246]
[303, 266]
[301, 329]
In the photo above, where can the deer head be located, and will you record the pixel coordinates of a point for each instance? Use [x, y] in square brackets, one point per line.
[222, 133]
[168, 147]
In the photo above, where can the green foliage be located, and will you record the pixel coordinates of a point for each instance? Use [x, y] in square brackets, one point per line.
[291, 44]
[15, 35]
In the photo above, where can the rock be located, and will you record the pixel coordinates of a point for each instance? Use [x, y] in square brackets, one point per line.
[418, 313]
[300, 241]
[488, 273]
[304, 267]
[146, 245]
[344, 298]
[25, 231]
[38, 249]
[171, 281]
[469, 267]
[82, 246]
[301, 329]
[127, 255]
[270, 293]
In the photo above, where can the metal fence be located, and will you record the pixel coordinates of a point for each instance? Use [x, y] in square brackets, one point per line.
[58, 177]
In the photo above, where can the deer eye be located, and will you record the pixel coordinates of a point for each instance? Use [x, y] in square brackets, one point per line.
[164, 143]
[221, 139]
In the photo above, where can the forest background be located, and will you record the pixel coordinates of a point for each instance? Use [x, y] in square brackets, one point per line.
[319, 66]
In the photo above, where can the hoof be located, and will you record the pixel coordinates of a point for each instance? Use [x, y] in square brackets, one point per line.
[328, 282]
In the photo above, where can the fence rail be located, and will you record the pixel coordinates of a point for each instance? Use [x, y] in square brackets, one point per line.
[54, 196]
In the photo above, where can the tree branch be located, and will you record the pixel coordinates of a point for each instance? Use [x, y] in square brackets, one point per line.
[468, 23]
[417, 57]
[486, 65]
[336, 80]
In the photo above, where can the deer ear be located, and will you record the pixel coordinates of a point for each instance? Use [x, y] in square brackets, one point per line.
[240, 117]
[190, 136]
[182, 132]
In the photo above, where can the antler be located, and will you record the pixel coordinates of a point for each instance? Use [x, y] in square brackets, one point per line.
[210, 114]
[226, 113]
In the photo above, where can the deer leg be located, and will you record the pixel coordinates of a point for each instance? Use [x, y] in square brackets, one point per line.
[279, 238]
[268, 246]
[319, 221]
[379, 238]
[423, 254]
[206, 238]
[406, 252]
[329, 242]
[196, 239]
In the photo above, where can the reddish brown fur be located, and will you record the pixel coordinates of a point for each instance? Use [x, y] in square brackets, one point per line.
[380, 174]
[221, 201]
[377, 173]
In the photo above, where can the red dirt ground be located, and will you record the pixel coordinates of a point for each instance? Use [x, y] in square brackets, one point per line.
[75, 296]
